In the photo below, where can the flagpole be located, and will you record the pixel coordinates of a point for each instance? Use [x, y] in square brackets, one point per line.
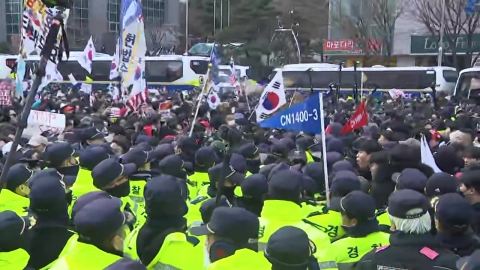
[324, 147]
[186, 27]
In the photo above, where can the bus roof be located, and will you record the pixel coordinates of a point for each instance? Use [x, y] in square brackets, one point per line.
[236, 67]
[379, 68]
[472, 69]
[106, 57]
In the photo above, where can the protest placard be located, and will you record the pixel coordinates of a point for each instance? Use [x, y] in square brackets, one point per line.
[40, 121]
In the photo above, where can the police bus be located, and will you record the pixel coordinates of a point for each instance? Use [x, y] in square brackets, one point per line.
[412, 80]
[468, 83]
[166, 72]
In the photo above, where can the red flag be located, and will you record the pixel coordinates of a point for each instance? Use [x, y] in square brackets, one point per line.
[358, 119]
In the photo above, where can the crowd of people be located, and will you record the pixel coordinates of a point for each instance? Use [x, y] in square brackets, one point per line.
[135, 191]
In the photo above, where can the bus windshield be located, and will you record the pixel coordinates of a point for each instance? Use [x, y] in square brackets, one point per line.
[468, 83]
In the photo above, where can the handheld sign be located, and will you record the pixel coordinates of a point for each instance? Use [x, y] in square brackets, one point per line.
[303, 116]
[40, 121]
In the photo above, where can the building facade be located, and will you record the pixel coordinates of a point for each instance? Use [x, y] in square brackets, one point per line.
[91, 17]
[413, 44]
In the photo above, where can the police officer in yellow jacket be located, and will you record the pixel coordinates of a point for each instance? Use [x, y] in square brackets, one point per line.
[232, 236]
[328, 218]
[88, 159]
[113, 177]
[290, 249]
[15, 190]
[174, 165]
[252, 193]
[283, 208]
[101, 226]
[205, 158]
[60, 156]
[14, 233]
[49, 206]
[362, 230]
[161, 242]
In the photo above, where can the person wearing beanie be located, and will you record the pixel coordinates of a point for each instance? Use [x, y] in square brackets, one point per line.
[14, 236]
[158, 241]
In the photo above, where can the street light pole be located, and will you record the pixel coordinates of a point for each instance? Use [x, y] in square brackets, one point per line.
[214, 17]
[186, 27]
[228, 13]
[221, 14]
[442, 31]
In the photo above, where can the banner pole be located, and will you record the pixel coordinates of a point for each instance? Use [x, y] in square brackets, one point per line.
[324, 147]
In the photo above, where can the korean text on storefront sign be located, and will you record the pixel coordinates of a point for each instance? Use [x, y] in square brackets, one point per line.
[350, 46]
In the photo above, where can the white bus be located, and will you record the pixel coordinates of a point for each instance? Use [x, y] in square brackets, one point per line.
[468, 84]
[412, 80]
[169, 72]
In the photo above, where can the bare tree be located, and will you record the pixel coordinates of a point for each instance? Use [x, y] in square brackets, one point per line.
[162, 40]
[372, 28]
[457, 23]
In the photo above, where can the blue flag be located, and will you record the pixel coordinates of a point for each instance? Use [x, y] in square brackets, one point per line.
[303, 116]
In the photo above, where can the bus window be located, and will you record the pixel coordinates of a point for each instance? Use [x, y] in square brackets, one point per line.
[199, 66]
[408, 79]
[450, 76]
[164, 71]
[10, 62]
[101, 70]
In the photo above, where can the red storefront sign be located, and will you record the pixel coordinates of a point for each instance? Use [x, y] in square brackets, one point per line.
[349, 46]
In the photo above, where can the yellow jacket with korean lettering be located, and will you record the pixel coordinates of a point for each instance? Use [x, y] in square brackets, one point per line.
[243, 259]
[348, 251]
[277, 214]
[136, 197]
[329, 222]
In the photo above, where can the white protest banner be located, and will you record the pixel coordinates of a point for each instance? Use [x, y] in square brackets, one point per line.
[40, 121]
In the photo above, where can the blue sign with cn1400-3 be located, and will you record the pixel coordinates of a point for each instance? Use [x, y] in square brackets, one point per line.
[303, 116]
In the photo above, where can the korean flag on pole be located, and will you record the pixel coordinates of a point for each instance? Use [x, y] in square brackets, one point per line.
[87, 57]
[273, 97]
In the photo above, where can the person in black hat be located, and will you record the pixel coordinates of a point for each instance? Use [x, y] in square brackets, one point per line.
[232, 236]
[412, 246]
[88, 159]
[410, 179]
[361, 227]
[453, 219]
[49, 206]
[290, 249]
[165, 210]
[113, 177]
[174, 165]
[15, 190]
[232, 179]
[253, 193]
[186, 148]
[61, 157]
[92, 136]
[101, 228]
[283, 208]
[252, 154]
[278, 152]
[441, 183]
[205, 158]
[14, 234]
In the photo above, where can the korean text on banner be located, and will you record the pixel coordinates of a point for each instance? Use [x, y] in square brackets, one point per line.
[40, 121]
[6, 89]
[303, 116]
[36, 21]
